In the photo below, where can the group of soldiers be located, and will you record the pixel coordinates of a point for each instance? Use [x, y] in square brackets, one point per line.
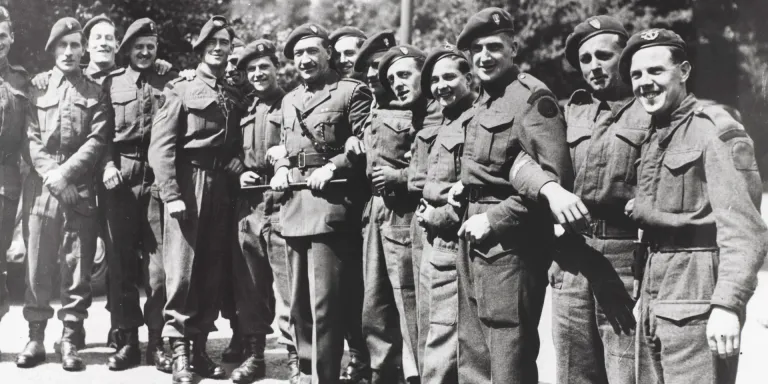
[415, 205]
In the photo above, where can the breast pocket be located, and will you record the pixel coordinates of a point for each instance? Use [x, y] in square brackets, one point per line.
[397, 136]
[449, 159]
[330, 129]
[125, 107]
[204, 115]
[680, 183]
[86, 108]
[247, 127]
[578, 139]
[46, 109]
[626, 151]
[492, 140]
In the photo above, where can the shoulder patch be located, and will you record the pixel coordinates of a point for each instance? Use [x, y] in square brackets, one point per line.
[727, 128]
[743, 155]
[580, 96]
[547, 107]
[538, 94]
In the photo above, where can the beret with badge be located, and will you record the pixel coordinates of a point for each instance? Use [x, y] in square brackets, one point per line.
[215, 24]
[380, 42]
[426, 70]
[346, 32]
[96, 20]
[394, 54]
[254, 50]
[302, 32]
[139, 28]
[61, 28]
[654, 37]
[588, 29]
[487, 22]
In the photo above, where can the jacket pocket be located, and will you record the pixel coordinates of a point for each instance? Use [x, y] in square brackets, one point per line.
[396, 244]
[492, 139]
[125, 107]
[680, 183]
[443, 297]
[627, 150]
[204, 115]
[46, 107]
[247, 127]
[330, 129]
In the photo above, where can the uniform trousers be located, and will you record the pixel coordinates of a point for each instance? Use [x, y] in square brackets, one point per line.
[389, 303]
[134, 225]
[195, 246]
[58, 233]
[7, 224]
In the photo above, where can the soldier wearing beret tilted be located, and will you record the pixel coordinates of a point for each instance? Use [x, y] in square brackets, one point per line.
[346, 43]
[194, 141]
[697, 201]
[66, 139]
[133, 214]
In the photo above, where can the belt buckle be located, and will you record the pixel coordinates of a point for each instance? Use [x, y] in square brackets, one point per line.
[301, 160]
[474, 194]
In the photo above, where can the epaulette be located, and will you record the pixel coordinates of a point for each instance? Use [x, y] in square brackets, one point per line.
[18, 68]
[725, 125]
[580, 96]
[118, 71]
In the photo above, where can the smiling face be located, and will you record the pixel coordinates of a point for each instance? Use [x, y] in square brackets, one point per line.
[6, 39]
[493, 56]
[372, 74]
[657, 81]
[68, 52]
[347, 50]
[404, 77]
[599, 62]
[102, 44]
[217, 49]
[143, 52]
[448, 83]
[262, 74]
[312, 57]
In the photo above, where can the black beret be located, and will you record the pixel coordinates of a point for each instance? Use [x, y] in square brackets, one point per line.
[429, 64]
[379, 42]
[256, 49]
[139, 28]
[215, 24]
[489, 21]
[302, 32]
[393, 54]
[63, 27]
[649, 38]
[96, 20]
[588, 29]
[346, 31]
[4, 15]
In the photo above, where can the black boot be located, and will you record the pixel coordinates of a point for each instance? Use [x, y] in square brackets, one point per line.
[202, 363]
[155, 354]
[114, 339]
[34, 353]
[72, 338]
[129, 355]
[357, 371]
[182, 371]
[293, 366]
[254, 367]
[234, 351]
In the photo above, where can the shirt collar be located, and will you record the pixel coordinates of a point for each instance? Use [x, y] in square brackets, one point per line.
[667, 125]
[498, 88]
[134, 74]
[204, 73]
[58, 77]
[455, 111]
[95, 72]
[267, 99]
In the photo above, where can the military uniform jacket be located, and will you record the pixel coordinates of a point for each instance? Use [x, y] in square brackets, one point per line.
[69, 133]
[698, 173]
[605, 139]
[422, 145]
[199, 117]
[15, 75]
[332, 114]
[14, 113]
[261, 131]
[518, 114]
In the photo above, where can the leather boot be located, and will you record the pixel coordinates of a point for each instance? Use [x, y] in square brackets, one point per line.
[182, 371]
[129, 355]
[357, 371]
[34, 353]
[293, 366]
[254, 367]
[72, 338]
[155, 354]
[234, 351]
[114, 338]
[202, 363]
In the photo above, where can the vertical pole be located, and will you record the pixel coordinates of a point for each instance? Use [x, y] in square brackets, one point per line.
[406, 18]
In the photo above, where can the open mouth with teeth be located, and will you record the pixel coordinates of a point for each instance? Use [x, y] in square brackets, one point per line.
[650, 95]
[402, 94]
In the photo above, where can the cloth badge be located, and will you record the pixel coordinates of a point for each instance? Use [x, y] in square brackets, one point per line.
[650, 35]
[386, 43]
[260, 47]
[595, 23]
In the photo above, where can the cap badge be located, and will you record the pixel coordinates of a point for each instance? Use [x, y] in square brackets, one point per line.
[218, 23]
[260, 47]
[449, 46]
[595, 23]
[650, 34]
[313, 28]
[404, 50]
[496, 19]
[69, 25]
[152, 27]
[386, 42]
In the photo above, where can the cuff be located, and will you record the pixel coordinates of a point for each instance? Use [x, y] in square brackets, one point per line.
[529, 180]
[732, 296]
[499, 221]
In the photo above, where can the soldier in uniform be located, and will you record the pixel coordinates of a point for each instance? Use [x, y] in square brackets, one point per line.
[65, 142]
[346, 43]
[368, 60]
[592, 276]
[133, 214]
[194, 142]
[317, 118]
[504, 240]
[259, 257]
[14, 84]
[697, 201]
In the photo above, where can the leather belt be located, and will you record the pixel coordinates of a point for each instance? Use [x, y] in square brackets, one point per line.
[208, 161]
[611, 229]
[701, 238]
[131, 150]
[488, 193]
[310, 160]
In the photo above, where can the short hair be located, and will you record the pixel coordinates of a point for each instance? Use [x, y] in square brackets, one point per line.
[678, 55]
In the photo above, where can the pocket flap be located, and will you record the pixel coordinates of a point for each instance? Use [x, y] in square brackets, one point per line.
[46, 102]
[85, 103]
[681, 310]
[200, 103]
[123, 97]
[495, 122]
[397, 125]
[633, 137]
[452, 143]
[398, 236]
[677, 160]
[427, 135]
[576, 134]
[245, 120]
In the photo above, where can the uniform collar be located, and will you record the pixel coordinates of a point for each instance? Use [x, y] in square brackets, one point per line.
[267, 99]
[617, 107]
[455, 111]
[667, 125]
[204, 73]
[58, 77]
[134, 74]
[95, 72]
[498, 88]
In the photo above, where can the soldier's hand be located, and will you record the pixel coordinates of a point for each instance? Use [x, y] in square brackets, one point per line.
[456, 195]
[235, 166]
[276, 153]
[177, 209]
[188, 74]
[354, 146]
[629, 208]
[162, 67]
[423, 214]
[249, 178]
[69, 195]
[112, 178]
[385, 177]
[41, 80]
[408, 155]
[724, 332]
[566, 207]
[55, 182]
[476, 228]
[319, 178]
[281, 179]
